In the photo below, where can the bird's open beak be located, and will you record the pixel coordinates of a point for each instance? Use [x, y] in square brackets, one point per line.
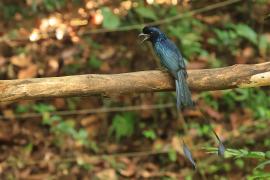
[146, 37]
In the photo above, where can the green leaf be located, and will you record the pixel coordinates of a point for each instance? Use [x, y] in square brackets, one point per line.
[41, 108]
[93, 146]
[47, 119]
[81, 135]
[72, 68]
[172, 155]
[263, 45]
[146, 13]
[240, 163]
[65, 127]
[267, 154]
[86, 166]
[261, 175]
[150, 134]
[110, 21]
[28, 148]
[94, 62]
[51, 5]
[123, 125]
[22, 108]
[246, 32]
[261, 165]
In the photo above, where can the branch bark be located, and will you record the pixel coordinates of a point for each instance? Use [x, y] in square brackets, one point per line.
[136, 82]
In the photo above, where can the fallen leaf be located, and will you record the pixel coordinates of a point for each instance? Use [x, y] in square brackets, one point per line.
[215, 18]
[105, 67]
[69, 53]
[6, 132]
[88, 120]
[129, 170]
[53, 64]
[107, 174]
[21, 60]
[248, 52]
[107, 53]
[29, 72]
[193, 113]
[212, 112]
[2, 61]
[151, 166]
[8, 113]
[59, 103]
[92, 125]
[196, 65]
[176, 144]
[146, 174]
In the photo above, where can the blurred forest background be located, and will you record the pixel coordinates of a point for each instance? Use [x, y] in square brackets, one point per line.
[131, 136]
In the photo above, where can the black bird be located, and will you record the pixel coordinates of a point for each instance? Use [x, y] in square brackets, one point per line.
[170, 58]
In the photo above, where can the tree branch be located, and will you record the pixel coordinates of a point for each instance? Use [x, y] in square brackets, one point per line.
[136, 82]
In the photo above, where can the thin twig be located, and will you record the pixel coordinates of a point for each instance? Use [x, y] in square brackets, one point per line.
[139, 26]
[93, 111]
[163, 21]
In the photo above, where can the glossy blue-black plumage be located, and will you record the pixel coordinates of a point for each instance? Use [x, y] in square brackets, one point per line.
[188, 154]
[171, 58]
[221, 147]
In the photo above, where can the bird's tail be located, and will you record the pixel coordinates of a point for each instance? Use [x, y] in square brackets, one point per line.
[183, 95]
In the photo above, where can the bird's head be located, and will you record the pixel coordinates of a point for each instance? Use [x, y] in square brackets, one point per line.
[151, 34]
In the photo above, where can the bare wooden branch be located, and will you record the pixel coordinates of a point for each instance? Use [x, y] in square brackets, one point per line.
[136, 82]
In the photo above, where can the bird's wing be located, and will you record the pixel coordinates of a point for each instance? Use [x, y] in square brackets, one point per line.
[171, 45]
[168, 57]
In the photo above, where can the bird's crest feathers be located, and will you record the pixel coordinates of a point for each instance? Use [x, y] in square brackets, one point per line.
[155, 34]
